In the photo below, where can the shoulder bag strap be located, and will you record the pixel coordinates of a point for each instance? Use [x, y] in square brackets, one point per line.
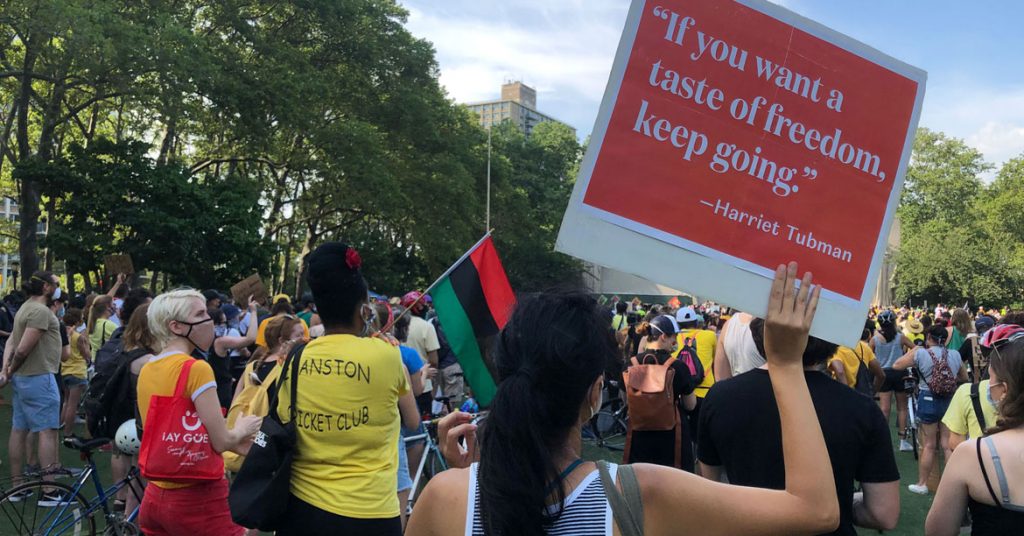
[293, 360]
[627, 506]
[976, 402]
[186, 369]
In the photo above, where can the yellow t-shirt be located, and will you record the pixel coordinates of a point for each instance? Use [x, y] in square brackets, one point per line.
[159, 377]
[261, 335]
[960, 417]
[706, 341]
[347, 421]
[75, 365]
[851, 363]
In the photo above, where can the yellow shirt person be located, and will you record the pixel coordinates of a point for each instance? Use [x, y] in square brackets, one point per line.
[960, 417]
[851, 358]
[346, 460]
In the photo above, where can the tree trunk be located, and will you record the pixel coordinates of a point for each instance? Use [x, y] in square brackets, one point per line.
[152, 282]
[167, 282]
[28, 196]
[307, 247]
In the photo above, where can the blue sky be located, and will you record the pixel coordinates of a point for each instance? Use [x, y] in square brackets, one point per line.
[564, 48]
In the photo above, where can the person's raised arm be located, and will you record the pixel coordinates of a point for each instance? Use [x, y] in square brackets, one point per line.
[809, 504]
[222, 345]
[117, 285]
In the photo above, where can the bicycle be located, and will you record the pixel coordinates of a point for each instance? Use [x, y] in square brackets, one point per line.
[910, 431]
[609, 426]
[72, 514]
[431, 461]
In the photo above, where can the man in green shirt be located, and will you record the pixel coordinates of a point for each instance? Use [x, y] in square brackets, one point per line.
[31, 359]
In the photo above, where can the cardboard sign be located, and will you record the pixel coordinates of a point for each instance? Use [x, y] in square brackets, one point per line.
[118, 264]
[250, 286]
[735, 136]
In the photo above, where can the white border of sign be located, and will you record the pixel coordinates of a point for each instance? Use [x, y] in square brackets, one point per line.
[588, 234]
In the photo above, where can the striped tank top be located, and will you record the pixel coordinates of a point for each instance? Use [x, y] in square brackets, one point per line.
[586, 510]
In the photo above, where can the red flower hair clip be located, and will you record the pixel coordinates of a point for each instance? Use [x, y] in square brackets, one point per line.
[352, 259]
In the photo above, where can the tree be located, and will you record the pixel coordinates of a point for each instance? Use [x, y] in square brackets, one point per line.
[962, 239]
[532, 182]
[113, 198]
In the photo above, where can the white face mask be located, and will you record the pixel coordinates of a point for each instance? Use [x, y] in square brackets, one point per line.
[56, 294]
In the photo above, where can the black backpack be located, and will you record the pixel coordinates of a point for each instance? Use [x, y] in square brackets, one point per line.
[864, 384]
[118, 401]
[105, 364]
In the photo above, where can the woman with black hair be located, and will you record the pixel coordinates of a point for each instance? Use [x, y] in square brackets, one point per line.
[531, 480]
[888, 345]
[932, 405]
[345, 470]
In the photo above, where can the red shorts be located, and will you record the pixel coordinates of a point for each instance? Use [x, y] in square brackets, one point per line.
[197, 510]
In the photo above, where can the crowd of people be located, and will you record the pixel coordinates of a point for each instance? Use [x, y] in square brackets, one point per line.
[750, 421]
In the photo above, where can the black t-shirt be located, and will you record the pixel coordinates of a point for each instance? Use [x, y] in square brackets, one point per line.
[64, 341]
[740, 430]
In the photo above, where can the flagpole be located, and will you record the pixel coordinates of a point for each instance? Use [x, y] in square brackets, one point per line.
[438, 280]
[487, 220]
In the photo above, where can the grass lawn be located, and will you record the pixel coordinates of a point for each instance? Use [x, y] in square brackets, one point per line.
[913, 507]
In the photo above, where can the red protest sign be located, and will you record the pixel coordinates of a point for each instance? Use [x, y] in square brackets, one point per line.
[750, 137]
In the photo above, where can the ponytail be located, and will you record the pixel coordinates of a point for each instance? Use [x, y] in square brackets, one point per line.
[549, 355]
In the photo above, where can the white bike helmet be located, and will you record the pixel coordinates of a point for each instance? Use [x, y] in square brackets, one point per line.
[127, 438]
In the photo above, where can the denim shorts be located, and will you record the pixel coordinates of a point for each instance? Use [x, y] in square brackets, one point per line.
[36, 403]
[931, 408]
[404, 480]
[74, 381]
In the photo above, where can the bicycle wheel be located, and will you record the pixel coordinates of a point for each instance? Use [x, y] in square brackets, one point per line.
[610, 430]
[435, 464]
[21, 508]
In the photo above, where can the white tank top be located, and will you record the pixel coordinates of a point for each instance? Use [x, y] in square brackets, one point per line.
[739, 344]
[585, 512]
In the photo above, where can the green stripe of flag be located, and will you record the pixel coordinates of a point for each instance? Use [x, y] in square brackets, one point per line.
[462, 339]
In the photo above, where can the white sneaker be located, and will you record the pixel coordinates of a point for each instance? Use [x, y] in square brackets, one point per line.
[905, 446]
[920, 490]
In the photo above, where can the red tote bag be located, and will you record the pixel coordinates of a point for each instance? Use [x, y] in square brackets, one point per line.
[175, 444]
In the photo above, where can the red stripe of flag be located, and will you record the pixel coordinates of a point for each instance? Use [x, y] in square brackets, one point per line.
[497, 290]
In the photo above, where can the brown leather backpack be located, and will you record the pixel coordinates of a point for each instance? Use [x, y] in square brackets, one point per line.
[652, 404]
[651, 401]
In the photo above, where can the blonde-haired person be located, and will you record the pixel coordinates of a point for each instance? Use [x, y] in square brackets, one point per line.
[180, 323]
[100, 327]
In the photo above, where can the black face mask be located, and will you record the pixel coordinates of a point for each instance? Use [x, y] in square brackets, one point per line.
[188, 334]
